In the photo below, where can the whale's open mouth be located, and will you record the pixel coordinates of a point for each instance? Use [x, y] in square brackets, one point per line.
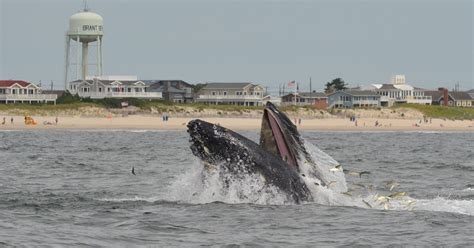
[273, 136]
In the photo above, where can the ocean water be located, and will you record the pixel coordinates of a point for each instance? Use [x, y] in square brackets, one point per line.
[75, 188]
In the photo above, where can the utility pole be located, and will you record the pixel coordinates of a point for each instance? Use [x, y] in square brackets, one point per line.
[52, 85]
[310, 87]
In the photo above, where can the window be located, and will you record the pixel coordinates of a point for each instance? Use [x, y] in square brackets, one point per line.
[225, 93]
[213, 93]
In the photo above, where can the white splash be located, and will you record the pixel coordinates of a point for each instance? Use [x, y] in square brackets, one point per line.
[320, 169]
[200, 186]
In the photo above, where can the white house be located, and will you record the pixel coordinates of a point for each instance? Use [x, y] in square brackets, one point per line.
[353, 99]
[102, 87]
[18, 91]
[398, 92]
[246, 94]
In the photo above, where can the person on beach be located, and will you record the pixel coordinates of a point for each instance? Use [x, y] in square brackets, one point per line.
[4, 121]
[299, 121]
[11, 120]
[56, 120]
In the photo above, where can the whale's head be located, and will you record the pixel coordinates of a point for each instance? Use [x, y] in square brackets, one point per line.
[214, 144]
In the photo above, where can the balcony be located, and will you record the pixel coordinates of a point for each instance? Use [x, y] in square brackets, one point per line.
[231, 97]
[101, 95]
[28, 97]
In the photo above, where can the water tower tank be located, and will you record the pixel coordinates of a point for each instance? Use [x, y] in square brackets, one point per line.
[87, 25]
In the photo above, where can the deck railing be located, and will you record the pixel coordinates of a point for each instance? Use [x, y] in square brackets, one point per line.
[28, 97]
[100, 95]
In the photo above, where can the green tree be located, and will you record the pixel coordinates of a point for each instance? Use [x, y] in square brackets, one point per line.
[335, 85]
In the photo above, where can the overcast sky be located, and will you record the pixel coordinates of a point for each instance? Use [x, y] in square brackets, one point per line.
[267, 42]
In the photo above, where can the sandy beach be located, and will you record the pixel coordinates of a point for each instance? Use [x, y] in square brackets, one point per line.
[179, 123]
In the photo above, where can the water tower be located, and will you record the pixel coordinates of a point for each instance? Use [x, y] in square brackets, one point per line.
[85, 27]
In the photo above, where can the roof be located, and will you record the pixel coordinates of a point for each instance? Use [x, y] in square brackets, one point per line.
[9, 83]
[156, 83]
[470, 91]
[387, 87]
[357, 93]
[460, 95]
[108, 82]
[435, 95]
[403, 86]
[226, 85]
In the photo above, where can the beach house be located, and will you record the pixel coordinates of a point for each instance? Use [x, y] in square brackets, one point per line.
[443, 96]
[19, 91]
[177, 91]
[316, 99]
[245, 94]
[398, 91]
[458, 99]
[354, 99]
[112, 87]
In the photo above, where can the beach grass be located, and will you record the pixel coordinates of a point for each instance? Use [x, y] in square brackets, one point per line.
[442, 112]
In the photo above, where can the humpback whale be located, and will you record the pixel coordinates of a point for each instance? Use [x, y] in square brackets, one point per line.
[281, 159]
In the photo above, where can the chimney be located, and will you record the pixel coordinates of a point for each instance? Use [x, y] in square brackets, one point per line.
[444, 91]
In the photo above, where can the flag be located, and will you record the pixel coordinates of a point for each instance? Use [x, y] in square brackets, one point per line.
[291, 83]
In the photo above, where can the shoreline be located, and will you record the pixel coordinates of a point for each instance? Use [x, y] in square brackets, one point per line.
[139, 122]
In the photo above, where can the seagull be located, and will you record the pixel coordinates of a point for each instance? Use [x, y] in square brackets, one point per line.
[133, 171]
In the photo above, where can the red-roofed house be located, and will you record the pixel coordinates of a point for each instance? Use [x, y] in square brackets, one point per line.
[18, 91]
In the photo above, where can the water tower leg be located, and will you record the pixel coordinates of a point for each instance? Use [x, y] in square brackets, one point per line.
[101, 58]
[78, 41]
[66, 84]
[98, 56]
[85, 51]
